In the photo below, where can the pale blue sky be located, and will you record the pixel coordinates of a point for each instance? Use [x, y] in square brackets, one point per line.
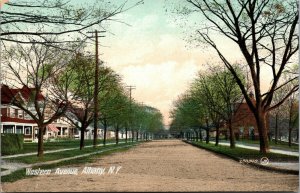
[152, 54]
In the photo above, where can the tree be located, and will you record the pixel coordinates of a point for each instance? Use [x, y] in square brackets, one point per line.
[118, 112]
[189, 113]
[114, 110]
[278, 114]
[265, 32]
[80, 72]
[56, 22]
[34, 68]
[217, 87]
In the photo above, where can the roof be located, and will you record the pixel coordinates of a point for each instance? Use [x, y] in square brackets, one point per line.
[7, 94]
[16, 120]
[52, 127]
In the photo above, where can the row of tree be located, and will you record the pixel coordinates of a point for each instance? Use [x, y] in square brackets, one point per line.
[43, 48]
[208, 104]
[265, 33]
[213, 100]
[68, 89]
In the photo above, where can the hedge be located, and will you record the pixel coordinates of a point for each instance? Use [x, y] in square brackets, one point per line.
[11, 143]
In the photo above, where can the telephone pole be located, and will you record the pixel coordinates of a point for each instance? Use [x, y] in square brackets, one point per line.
[96, 89]
[130, 88]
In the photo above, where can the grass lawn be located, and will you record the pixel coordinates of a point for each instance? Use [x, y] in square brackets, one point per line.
[20, 174]
[242, 153]
[60, 155]
[55, 145]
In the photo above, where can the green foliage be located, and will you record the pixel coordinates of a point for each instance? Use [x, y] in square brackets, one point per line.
[210, 97]
[11, 143]
[116, 110]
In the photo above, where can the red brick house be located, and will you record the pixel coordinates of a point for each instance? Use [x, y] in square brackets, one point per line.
[244, 123]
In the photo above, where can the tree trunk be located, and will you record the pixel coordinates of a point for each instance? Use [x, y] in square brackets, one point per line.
[82, 130]
[276, 128]
[126, 134]
[197, 136]
[231, 135]
[262, 130]
[41, 141]
[117, 134]
[207, 131]
[217, 135]
[290, 126]
[207, 135]
[137, 135]
[200, 134]
[105, 129]
[132, 137]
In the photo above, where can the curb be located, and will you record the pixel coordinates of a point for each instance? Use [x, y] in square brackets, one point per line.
[268, 168]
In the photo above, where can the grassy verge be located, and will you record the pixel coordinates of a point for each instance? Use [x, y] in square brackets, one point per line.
[60, 155]
[55, 145]
[238, 153]
[280, 144]
[21, 174]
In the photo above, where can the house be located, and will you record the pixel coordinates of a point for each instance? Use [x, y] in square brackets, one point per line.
[244, 123]
[13, 119]
[110, 134]
[16, 120]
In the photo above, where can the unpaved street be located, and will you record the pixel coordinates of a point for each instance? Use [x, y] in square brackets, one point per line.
[168, 165]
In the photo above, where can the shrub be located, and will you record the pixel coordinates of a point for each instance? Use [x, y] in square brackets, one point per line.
[11, 143]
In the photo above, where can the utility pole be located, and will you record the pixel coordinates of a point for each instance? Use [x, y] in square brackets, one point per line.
[130, 119]
[96, 90]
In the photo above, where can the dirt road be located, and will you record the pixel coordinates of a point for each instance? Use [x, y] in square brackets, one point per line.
[168, 165]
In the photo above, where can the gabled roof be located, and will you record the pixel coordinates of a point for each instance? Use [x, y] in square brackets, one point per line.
[7, 94]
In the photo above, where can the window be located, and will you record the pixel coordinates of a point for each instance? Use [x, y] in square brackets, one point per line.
[12, 113]
[19, 129]
[28, 130]
[16, 113]
[8, 129]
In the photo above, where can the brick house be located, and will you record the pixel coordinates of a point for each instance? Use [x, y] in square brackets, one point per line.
[244, 123]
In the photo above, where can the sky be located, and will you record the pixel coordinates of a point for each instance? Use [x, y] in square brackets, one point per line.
[152, 55]
[150, 52]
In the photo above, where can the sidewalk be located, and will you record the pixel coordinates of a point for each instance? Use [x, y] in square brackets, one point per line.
[14, 166]
[285, 165]
[256, 147]
[52, 151]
